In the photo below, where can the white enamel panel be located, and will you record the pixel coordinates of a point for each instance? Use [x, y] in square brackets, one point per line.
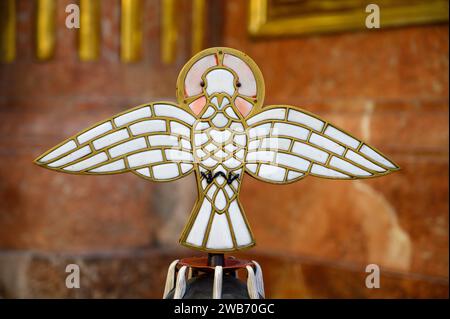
[225, 101]
[273, 114]
[211, 191]
[91, 161]
[293, 175]
[209, 162]
[230, 147]
[145, 158]
[220, 168]
[220, 81]
[348, 167]
[133, 116]
[241, 232]
[127, 147]
[144, 171]
[267, 156]
[148, 127]
[181, 129]
[251, 167]
[200, 153]
[66, 147]
[163, 140]
[292, 161]
[273, 173]
[276, 143]
[220, 201]
[199, 126]
[204, 183]
[200, 139]
[305, 119]
[366, 150]
[240, 139]
[326, 172]
[362, 161]
[209, 111]
[220, 136]
[252, 145]
[165, 171]
[240, 154]
[229, 191]
[219, 235]
[94, 132]
[237, 127]
[71, 157]
[198, 229]
[290, 130]
[220, 181]
[186, 167]
[220, 120]
[327, 144]
[260, 130]
[210, 147]
[186, 144]
[231, 163]
[110, 139]
[220, 154]
[231, 113]
[176, 155]
[341, 137]
[173, 112]
[111, 167]
[310, 152]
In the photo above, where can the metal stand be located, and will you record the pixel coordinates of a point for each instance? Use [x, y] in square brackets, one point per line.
[216, 260]
[214, 276]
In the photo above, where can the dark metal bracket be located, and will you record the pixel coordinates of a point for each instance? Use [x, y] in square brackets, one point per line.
[209, 177]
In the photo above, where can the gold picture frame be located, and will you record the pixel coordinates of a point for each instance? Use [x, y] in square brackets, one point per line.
[270, 18]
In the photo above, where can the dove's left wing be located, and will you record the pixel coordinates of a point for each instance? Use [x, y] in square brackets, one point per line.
[151, 140]
[287, 144]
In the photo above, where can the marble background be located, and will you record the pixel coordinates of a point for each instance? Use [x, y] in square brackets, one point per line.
[314, 237]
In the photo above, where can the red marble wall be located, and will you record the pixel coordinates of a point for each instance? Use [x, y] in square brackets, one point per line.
[314, 237]
[390, 88]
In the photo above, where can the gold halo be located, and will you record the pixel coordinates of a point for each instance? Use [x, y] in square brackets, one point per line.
[260, 88]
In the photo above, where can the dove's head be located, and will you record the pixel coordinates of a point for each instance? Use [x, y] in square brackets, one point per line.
[220, 77]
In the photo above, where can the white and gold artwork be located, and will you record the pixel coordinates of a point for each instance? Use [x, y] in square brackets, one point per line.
[220, 131]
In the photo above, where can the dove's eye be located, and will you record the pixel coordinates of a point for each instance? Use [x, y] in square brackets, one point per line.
[192, 82]
[244, 73]
[202, 84]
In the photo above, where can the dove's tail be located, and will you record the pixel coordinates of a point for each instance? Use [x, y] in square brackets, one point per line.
[211, 231]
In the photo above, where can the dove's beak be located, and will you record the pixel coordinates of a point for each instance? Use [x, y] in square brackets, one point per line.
[220, 101]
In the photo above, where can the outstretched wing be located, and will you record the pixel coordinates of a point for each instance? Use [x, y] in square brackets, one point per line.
[151, 140]
[287, 144]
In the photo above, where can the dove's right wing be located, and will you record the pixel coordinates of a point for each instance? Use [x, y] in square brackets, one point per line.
[151, 140]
